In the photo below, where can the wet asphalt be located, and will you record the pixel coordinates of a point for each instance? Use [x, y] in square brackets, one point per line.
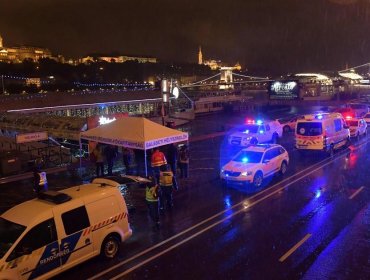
[238, 232]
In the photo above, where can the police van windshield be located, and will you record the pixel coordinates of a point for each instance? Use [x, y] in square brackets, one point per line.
[9, 233]
[248, 157]
[249, 128]
[309, 128]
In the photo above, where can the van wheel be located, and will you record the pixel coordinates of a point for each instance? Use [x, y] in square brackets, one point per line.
[283, 168]
[110, 247]
[257, 179]
[286, 129]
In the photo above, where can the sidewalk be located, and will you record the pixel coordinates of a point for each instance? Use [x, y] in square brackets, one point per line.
[70, 168]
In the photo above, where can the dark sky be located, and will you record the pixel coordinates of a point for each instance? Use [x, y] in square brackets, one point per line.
[265, 35]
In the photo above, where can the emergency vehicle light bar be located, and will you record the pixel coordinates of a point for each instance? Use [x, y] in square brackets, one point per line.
[54, 197]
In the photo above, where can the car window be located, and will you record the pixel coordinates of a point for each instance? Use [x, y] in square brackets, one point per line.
[9, 233]
[268, 155]
[248, 157]
[251, 128]
[75, 220]
[39, 236]
[309, 128]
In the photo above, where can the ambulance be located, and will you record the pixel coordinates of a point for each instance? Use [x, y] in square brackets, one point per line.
[45, 236]
[323, 132]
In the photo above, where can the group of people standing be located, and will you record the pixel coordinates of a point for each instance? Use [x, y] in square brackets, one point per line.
[159, 191]
[109, 153]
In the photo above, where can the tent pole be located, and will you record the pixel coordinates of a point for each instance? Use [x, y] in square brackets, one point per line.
[146, 168]
[80, 153]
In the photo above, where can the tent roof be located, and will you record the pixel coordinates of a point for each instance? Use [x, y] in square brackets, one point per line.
[136, 133]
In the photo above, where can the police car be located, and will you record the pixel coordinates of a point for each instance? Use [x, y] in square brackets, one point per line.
[256, 131]
[254, 163]
[357, 127]
[42, 237]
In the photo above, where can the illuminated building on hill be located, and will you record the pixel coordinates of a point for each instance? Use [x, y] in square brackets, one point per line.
[19, 54]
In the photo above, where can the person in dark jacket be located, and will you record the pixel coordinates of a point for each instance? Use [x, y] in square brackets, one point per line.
[184, 162]
[172, 155]
[110, 153]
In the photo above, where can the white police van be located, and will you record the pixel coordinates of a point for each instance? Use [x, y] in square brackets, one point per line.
[256, 131]
[42, 237]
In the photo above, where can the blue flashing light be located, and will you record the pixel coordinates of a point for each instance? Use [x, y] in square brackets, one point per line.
[244, 159]
[319, 117]
[261, 131]
[318, 194]
[247, 131]
[227, 201]
[259, 122]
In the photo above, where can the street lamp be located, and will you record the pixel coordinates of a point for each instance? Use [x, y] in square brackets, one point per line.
[2, 83]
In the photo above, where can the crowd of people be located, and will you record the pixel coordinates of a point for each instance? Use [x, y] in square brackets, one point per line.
[163, 178]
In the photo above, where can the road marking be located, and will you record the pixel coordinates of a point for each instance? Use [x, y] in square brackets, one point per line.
[329, 159]
[295, 247]
[356, 192]
[214, 216]
[201, 223]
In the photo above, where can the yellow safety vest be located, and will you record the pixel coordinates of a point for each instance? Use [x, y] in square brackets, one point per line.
[43, 179]
[165, 178]
[151, 194]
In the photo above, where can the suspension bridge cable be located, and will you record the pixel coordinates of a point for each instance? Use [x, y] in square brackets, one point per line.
[354, 67]
[251, 77]
[204, 80]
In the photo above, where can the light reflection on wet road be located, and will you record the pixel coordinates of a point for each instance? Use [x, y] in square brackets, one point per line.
[250, 243]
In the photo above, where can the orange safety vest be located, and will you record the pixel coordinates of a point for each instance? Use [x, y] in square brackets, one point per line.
[158, 159]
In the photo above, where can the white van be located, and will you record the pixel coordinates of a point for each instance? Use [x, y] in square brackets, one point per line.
[50, 234]
[324, 132]
[256, 132]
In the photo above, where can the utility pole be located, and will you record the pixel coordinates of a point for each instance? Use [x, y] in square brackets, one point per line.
[2, 82]
[165, 97]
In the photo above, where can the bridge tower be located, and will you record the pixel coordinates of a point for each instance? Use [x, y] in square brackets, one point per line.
[226, 78]
[200, 56]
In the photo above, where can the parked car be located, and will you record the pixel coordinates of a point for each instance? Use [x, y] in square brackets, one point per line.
[254, 163]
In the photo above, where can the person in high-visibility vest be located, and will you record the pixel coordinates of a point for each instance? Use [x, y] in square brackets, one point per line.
[151, 197]
[158, 159]
[167, 183]
[40, 180]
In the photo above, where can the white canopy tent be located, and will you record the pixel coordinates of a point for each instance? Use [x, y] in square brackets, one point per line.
[136, 133]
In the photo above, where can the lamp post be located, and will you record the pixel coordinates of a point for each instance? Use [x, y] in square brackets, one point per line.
[2, 83]
[165, 96]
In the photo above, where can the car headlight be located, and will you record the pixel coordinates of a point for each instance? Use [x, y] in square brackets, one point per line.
[247, 173]
[247, 138]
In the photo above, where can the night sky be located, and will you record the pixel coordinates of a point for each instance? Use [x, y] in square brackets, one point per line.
[263, 35]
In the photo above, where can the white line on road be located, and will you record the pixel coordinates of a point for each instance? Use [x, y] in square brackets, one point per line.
[356, 192]
[295, 247]
[214, 224]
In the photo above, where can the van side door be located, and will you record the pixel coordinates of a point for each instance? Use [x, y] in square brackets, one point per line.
[75, 240]
[37, 253]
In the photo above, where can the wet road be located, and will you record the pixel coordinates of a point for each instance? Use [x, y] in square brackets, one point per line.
[309, 224]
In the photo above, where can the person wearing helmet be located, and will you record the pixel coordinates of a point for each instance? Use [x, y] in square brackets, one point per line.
[40, 180]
